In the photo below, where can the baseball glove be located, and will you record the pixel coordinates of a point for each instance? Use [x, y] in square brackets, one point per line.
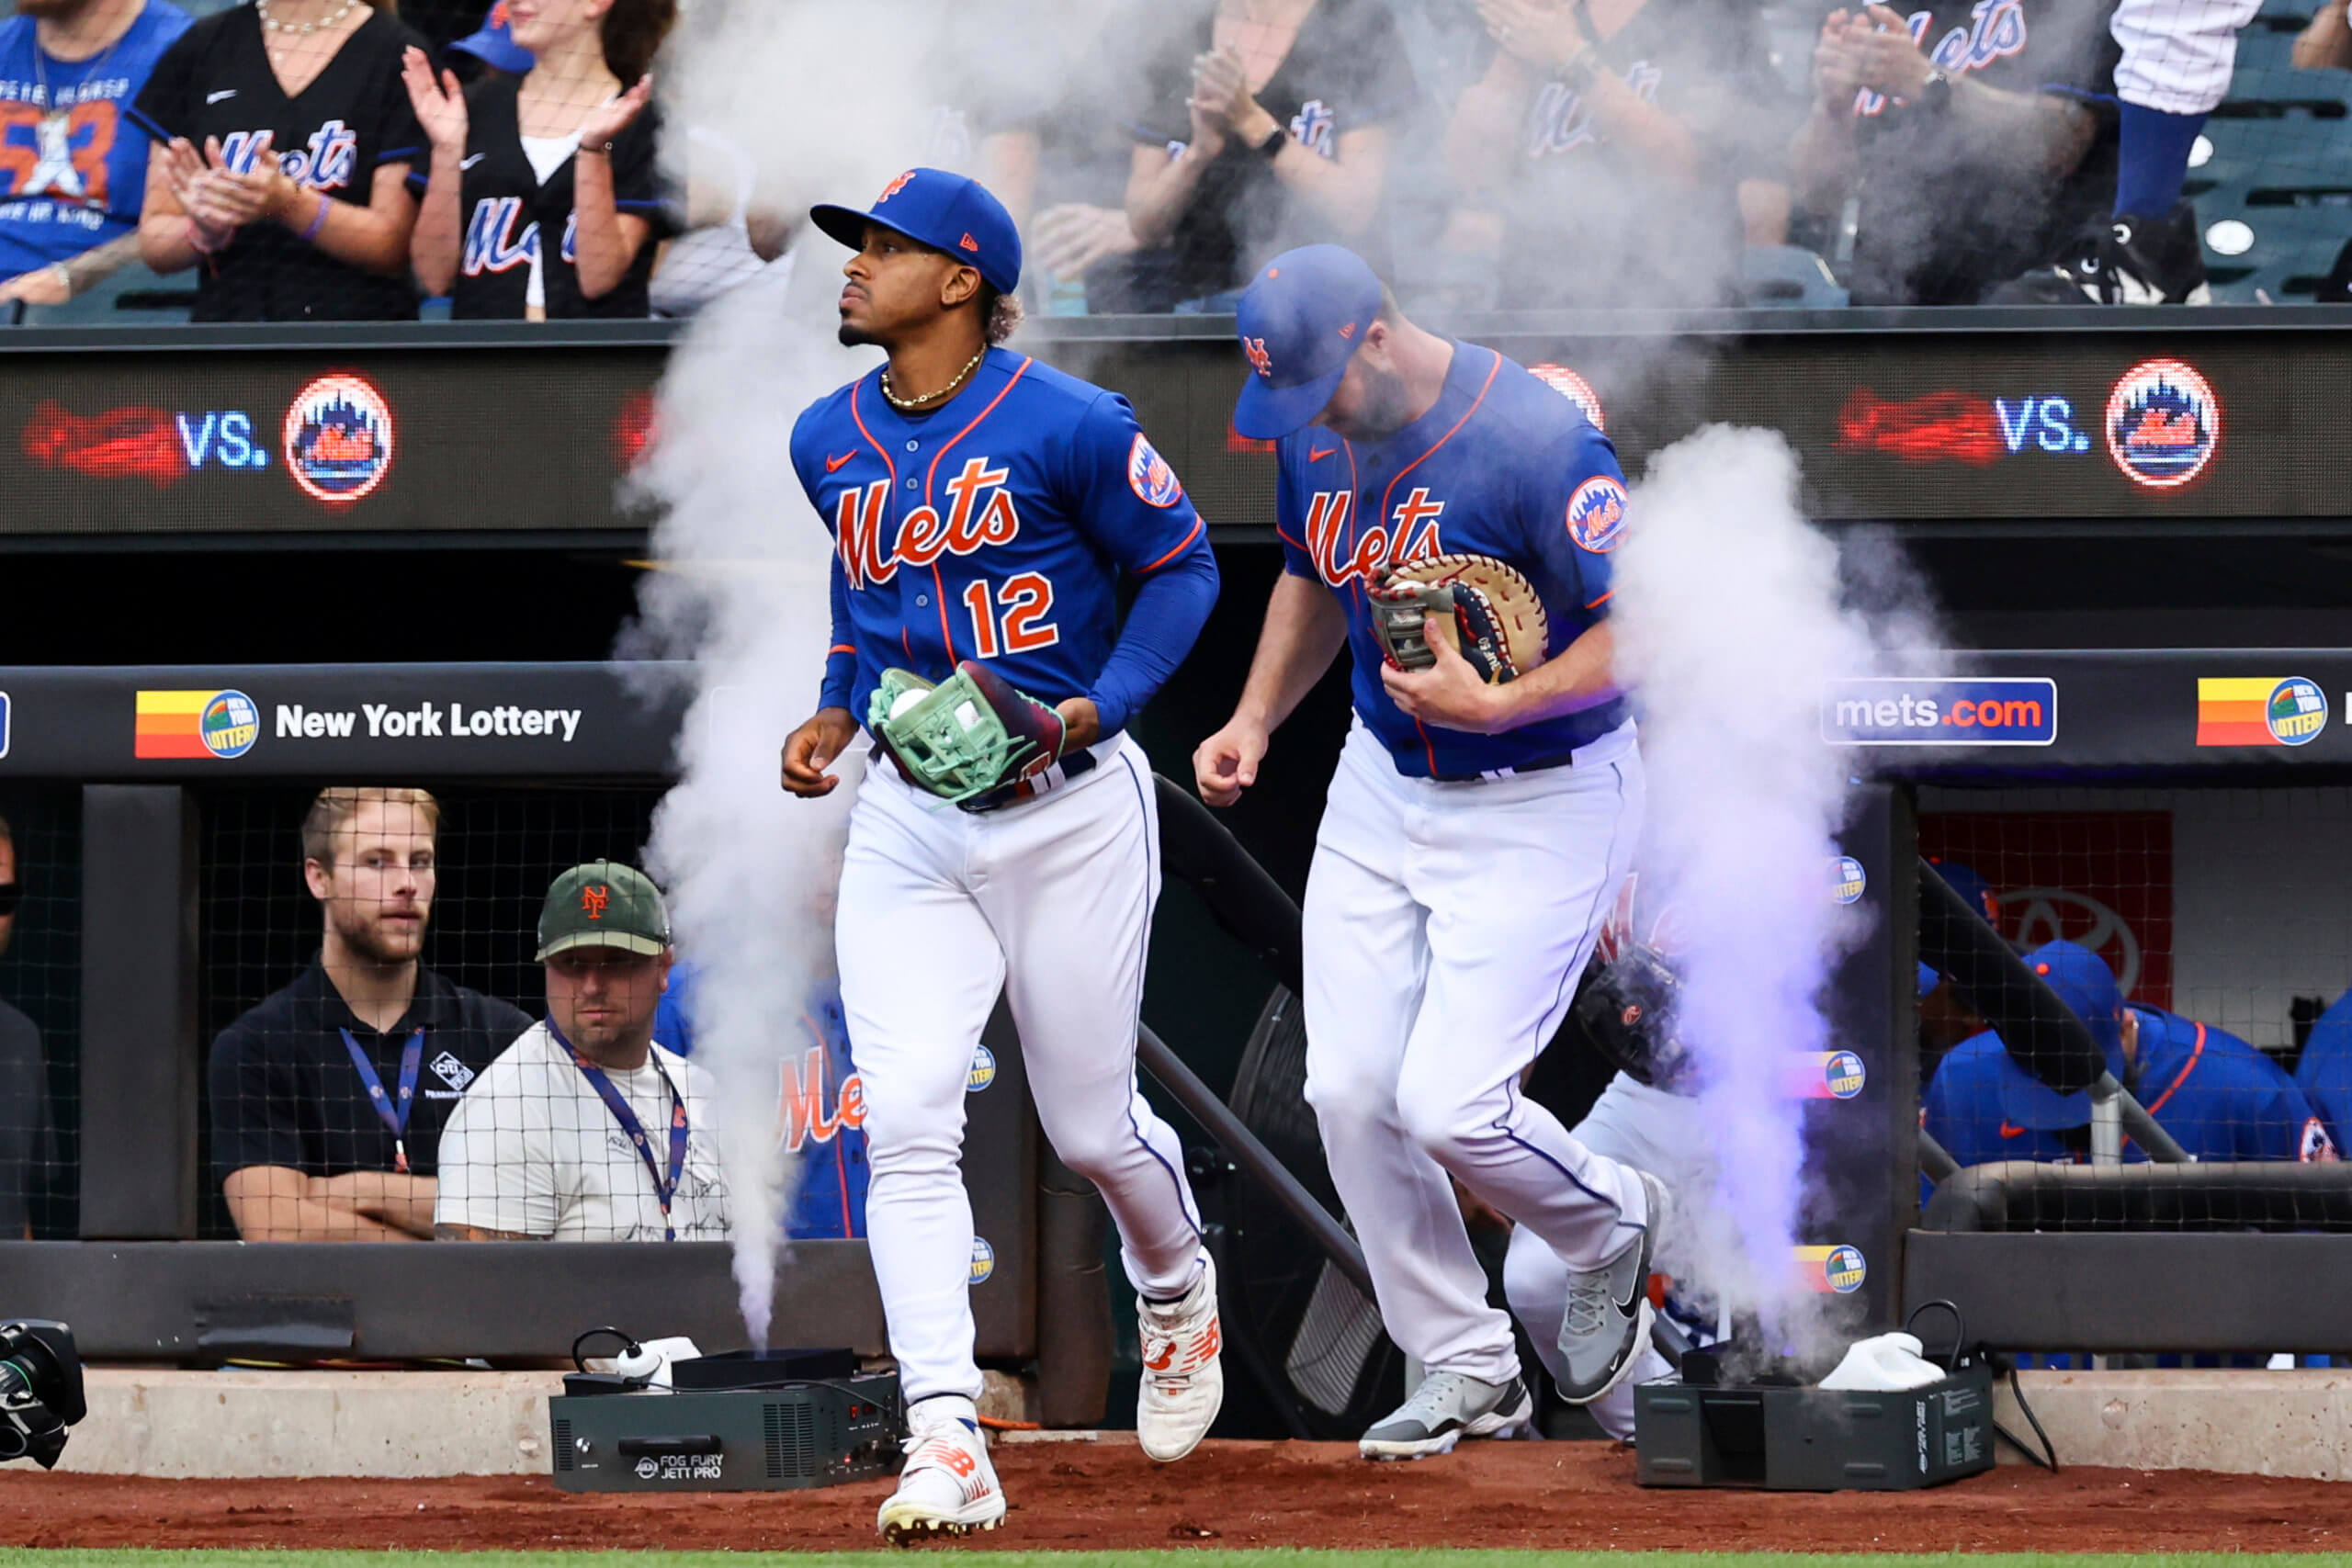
[1625, 1013]
[1487, 608]
[966, 736]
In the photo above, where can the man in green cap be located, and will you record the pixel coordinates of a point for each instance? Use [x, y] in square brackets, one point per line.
[585, 1130]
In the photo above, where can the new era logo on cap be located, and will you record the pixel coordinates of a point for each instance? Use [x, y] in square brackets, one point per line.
[968, 243]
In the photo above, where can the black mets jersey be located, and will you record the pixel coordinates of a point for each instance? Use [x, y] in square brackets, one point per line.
[510, 219]
[216, 82]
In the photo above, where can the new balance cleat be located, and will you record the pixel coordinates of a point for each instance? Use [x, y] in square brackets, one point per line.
[1609, 1314]
[2123, 260]
[1183, 1381]
[948, 1486]
[1447, 1407]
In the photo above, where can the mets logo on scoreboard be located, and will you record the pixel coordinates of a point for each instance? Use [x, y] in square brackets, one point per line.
[2163, 424]
[339, 439]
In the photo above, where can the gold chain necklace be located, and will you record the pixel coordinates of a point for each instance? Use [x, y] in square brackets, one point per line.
[905, 404]
[261, 9]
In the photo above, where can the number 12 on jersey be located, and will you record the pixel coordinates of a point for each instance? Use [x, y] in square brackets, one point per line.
[1012, 619]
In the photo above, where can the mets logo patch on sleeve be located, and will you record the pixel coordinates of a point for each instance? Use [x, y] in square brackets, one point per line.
[1148, 475]
[1596, 513]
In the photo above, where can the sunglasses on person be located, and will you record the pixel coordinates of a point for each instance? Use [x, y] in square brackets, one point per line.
[11, 895]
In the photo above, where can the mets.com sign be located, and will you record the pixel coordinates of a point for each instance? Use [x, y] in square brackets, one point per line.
[1989, 710]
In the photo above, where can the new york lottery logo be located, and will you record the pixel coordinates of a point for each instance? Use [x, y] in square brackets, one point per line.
[983, 1261]
[1843, 1075]
[983, 1071]
[1847, 880]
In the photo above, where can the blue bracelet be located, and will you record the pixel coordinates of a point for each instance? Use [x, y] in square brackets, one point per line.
[320, 221]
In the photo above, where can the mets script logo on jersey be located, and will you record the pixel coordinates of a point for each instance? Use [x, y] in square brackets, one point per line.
[1259, 360]
[327, 162]
[2163, 424]
[1314, 127]
[1148, 475]
[492, 243]
[1995, 31]
[338, 439]
[1596, 513]
[1409, 534]
[809, 1114]
[1562, 116]
[923, 536]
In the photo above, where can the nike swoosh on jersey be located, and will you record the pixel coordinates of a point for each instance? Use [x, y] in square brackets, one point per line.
[220, 97]
[2010, 1131]
[1314, 456]
[832, 465]
[467, 162]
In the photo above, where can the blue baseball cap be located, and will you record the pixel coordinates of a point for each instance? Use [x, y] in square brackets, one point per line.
[1973, 890]
[494, 44]
[2088, 987]
[1300, 322]
[954, 213]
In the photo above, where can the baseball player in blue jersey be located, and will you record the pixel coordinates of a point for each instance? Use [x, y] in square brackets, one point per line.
[2325, 1071]
[982, 508]
[1473, 834]
[2219, 1096]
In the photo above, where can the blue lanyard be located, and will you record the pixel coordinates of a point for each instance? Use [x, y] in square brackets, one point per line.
[664, 1188]
[395, 1117]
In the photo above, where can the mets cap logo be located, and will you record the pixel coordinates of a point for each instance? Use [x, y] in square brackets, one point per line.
[594, 899]
[2163, 424]
[894, 187]
[1847, 879]
[1596, 513]
[1259, 360]
[339, 439]
[1844, 1270]
[983, 1071]
[1148, 475]
[1842, 1074]
[2296, 711]
[1573, 388]
[983, 1261]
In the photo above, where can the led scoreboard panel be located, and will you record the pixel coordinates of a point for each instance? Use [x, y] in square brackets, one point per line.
[462, 432]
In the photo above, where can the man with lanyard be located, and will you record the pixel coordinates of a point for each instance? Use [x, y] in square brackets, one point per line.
[328, 1097]
[585, 1129]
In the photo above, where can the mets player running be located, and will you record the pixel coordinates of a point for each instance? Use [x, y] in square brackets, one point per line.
[983, 506]
[1472, 837]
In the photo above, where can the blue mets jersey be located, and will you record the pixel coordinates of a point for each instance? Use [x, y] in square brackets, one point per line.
[2325, 1074]
[995, 527]
[2220, 1098]
[1501, 465]
[72, 174]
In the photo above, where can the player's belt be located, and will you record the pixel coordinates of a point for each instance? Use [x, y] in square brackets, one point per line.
[1566, 759]
[1074, 765]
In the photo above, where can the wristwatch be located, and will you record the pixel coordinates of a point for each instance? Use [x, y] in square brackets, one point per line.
[1935, 94]
[1273, 145]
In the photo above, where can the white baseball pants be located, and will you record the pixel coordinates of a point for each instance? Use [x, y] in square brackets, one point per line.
[2177, 54]
[1049, 900]
[1445, 927]
[1653, 1130]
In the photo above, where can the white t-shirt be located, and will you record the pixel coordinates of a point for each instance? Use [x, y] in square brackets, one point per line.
[533, 1149]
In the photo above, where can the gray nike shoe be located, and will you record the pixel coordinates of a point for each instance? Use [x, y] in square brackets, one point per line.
[1608, 1314]
[1446, 1408]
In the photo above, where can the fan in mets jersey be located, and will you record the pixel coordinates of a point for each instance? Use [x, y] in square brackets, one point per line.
[983, 507]
[1483, 815]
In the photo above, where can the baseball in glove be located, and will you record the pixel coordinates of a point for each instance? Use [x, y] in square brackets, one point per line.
[1625, 1012]
[966, 736]
[1485, 607]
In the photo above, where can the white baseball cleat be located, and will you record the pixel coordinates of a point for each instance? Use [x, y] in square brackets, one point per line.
[948, 1486]
[1445, 1408]
[1183, 1382]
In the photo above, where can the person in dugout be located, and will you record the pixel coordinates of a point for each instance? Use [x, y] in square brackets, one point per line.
[2219, 1096]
